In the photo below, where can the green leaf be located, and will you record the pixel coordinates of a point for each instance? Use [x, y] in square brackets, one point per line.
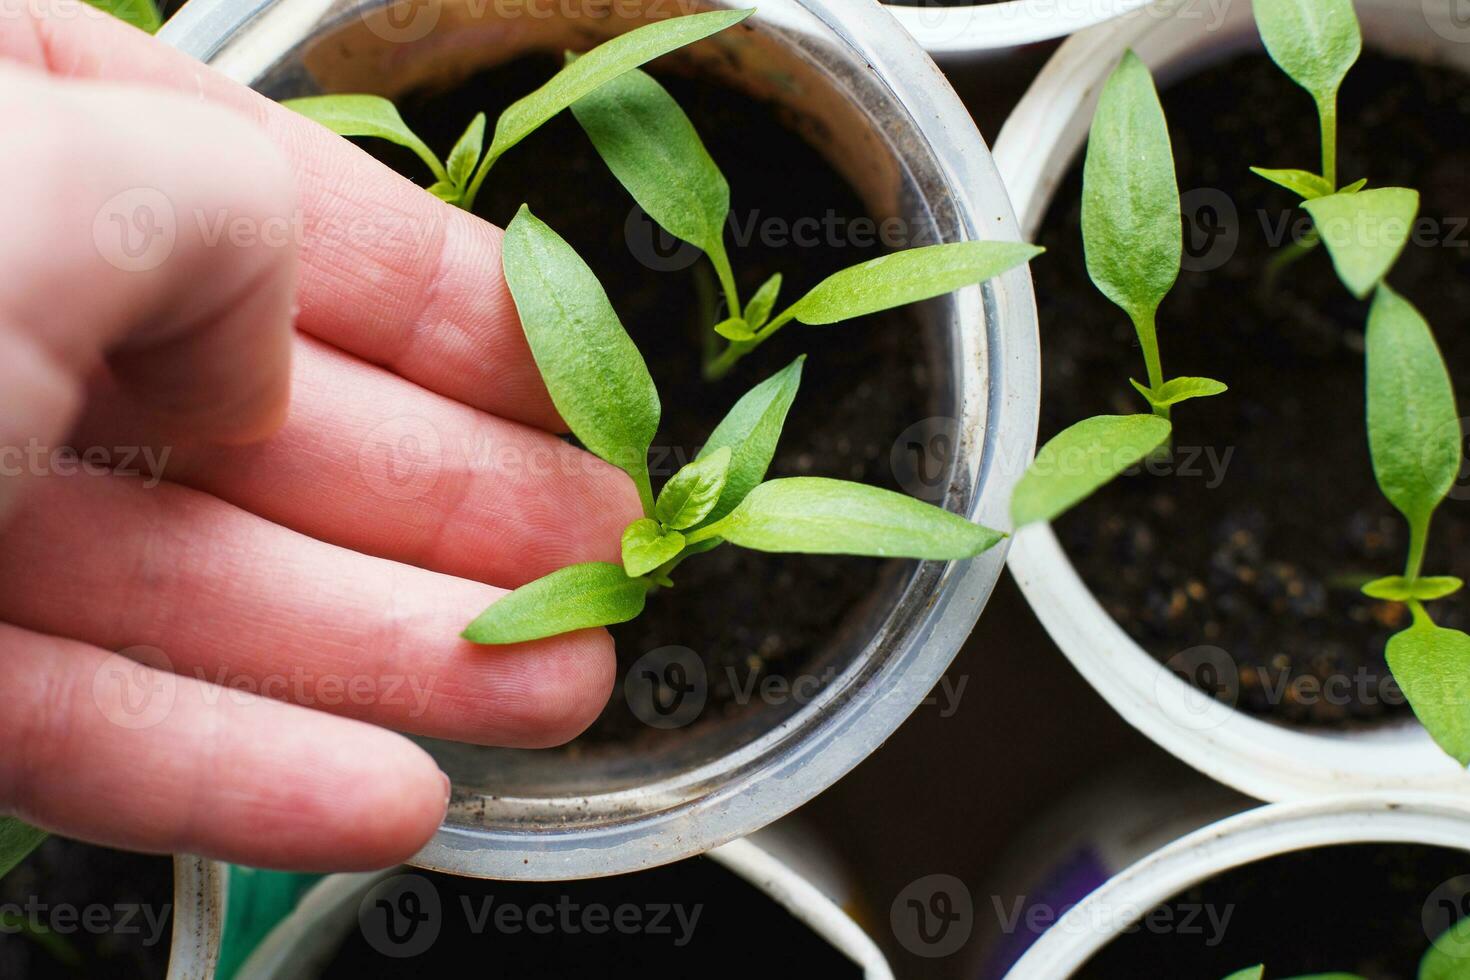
[1432, 668]
[142, 14]
[1081, 458]
[907, 277]
[758, 310]
[652, 148]
[1365, 232]
[467, 151]
[647, 546]
[1301, 183]
[735, 328]
[692, 492]
[597, 379]
[1397, 588]
[811, 515]
[1354, 187]
[445, 191]
[576, 597]
[17, 840]
[1314, 41]
[1249, 973]
[1177, 390]
[1413, 426]
[751, 430]
[366, 115]
[602, 64]
[1448, 957]
[1132, 230]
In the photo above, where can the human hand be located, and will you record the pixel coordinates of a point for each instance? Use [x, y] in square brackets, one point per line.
[167, 229]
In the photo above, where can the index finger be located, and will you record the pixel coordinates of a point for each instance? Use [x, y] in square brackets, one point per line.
[388, 272]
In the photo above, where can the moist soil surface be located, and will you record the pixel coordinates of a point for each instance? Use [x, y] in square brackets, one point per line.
[1264, 562]
[747, 615]
[64, 885]
[692, 919]
[1367, 909]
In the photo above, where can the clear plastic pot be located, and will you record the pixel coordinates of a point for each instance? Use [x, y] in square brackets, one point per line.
[882, 112]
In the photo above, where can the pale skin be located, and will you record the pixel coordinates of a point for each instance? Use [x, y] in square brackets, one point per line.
[285, 551]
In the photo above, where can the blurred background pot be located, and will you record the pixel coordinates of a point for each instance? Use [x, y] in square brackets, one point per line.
[876, 106]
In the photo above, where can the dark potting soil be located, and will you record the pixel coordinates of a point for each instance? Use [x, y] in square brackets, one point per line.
[692, 919]
[1369, 909]
[110, 914]
[747, 615]
[1264, 561]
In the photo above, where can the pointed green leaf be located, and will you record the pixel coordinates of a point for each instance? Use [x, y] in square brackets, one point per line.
[1432, 668]
[652, 148]
[17, 840]
[445, 191]
[734, 328]
[1301, 183]
[905, 277]
[466, 152]
[692, 492]
[811, 515]
[1354, 187]
[142, 14]
[1132, 230]
[1249, 973]
[1396, 588]
[1177, 390]
[751, 430]
[1081, 458]
[602, 64]
[647, 546]
[597, 379]
[1448, 957]
[1365, 232]
[576, 597]
[758, 310]
[1314, 41]
[365, 115]
[1413, 426]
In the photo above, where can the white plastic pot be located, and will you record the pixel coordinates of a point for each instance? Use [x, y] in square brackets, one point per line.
[308, 938]
[199, 909]
[1035, 150]
[986, 27]
[1239, 840]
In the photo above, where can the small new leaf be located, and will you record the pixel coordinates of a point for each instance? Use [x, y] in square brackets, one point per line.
[142, 14]
[1132, 231]
[445, 191]
[1354, 187]
[646, 546]
[1178, 390]
[1432, 668]
[1448, 957]
[1364, 232]
[573, 598]
[735, 328]
[366, 115]
[466, 152]
[1413, 425]
[812, 515]
[692, 492]
[758, 310]
[1081, 458]
[1314, 41]
[652, 148]
[905, 277]
[1397, 588]
[1249, 973]
[1307, 186]
[596, 377]
[751, 431]
[17, 840]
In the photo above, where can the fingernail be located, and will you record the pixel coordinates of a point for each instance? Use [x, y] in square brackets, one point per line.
[448, 789]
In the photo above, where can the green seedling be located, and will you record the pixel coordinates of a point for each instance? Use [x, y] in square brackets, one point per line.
[458, 179]
[651, 146]
[1316, 43]
[142, 14]
[1448, 958]
[17, 840]
[1133, 236]
[601, 386]
[1414, 438]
